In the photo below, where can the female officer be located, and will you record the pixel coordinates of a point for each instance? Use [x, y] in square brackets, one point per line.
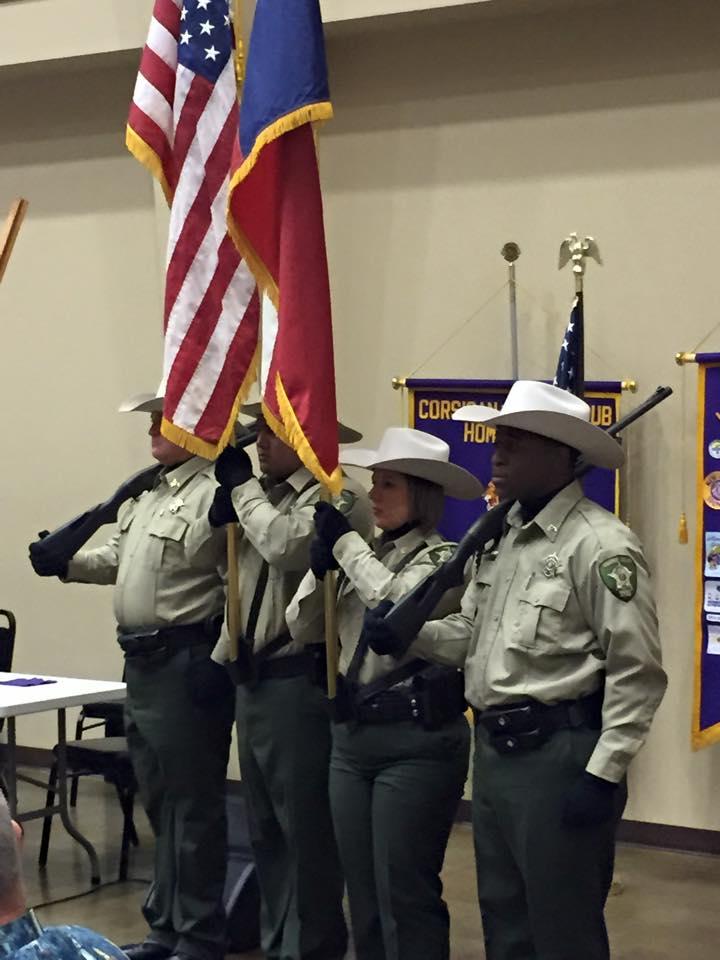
[400, 741]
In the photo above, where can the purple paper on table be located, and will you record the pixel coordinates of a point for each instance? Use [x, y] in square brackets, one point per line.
[25, 682]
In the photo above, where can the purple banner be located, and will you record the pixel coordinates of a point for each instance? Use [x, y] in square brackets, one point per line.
[706, 714]
[432, 403]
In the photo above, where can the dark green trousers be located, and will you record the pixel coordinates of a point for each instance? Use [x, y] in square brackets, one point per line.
[284, 745]
[542, 886]
[394, 790]
[180, 754]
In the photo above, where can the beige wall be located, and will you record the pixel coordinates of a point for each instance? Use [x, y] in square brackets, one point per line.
[35, 30]
[80, 328]
[455, 132]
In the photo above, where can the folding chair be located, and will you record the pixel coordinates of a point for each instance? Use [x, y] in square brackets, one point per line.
[107, 757]
[7, 648]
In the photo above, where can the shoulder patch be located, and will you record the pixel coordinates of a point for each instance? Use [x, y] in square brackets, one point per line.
[346, 501]
[619, 574]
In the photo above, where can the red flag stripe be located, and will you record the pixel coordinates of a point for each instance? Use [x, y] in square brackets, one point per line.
[167, 13]
[159, 74]
[237, 364]
[155, 138]
[199, 333]
[196, 101]
[198, 220]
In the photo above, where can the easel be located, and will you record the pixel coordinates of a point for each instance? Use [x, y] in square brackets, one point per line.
[10, 231]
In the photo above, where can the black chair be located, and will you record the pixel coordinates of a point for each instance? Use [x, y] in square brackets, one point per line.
[109, 758]
[7, 648]
[7, 643]
[107, 714]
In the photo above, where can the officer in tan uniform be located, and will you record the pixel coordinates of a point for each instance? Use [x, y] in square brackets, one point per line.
[282, 718]
[401, 744]
[169, 600]
[559, 638]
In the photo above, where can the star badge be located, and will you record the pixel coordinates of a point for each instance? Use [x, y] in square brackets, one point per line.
[551, 565]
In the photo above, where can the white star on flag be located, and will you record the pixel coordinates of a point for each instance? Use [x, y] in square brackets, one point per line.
[203, 4]
[206, 27]
[183, 13]
[565, 345]
[185, 37]
[211, 53]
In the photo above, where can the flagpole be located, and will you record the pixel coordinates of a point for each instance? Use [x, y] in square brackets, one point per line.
[233, 591]
[510, 253]
[576, 251]
[242, 13]
[14, 220]
[332, 650]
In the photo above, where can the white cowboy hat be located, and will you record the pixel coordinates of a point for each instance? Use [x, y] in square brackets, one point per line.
[417, 454]
[550, 412]
[345, 434]
[142, 403]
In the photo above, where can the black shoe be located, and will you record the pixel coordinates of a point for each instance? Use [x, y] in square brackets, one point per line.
[147, 950]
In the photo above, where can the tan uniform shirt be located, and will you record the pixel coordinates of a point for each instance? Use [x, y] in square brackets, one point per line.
[552, 612]
[369, 576]
[165, 567]
[277, 526]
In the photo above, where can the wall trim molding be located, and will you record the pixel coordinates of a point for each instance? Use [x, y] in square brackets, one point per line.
[665, 836]
[662, 836]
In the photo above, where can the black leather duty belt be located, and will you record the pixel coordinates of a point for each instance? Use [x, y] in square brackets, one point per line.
[293, 665]
[396, 706]
[526, 725]
[148, 643]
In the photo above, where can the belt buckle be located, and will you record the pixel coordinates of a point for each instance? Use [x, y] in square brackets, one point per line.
[509, 720]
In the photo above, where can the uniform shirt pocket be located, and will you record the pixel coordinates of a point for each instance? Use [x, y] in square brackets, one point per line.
[166, 533]
[539, 615]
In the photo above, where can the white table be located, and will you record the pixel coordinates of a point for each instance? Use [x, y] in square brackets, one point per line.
[65, 692]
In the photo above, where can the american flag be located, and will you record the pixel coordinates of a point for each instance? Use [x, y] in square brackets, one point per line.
[570, 373]
[182, 124]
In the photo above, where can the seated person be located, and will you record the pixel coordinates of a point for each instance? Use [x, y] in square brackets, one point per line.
[21, 935]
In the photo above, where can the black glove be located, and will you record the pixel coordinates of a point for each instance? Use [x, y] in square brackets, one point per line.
[221, 509]
[382, 639]
[330, 524]
[591, 801]
[321, 558]
[209, 683]
[48, 561]
[233, 467]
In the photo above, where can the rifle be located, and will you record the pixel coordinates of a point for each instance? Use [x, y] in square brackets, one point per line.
[409, 614]
[67, 539]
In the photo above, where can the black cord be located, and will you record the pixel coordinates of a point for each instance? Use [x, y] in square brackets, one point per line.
[86, 893]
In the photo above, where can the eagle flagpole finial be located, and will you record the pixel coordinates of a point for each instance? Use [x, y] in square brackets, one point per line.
[576, 251]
